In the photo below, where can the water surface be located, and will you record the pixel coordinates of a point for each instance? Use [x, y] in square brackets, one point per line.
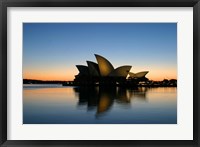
[54, 104]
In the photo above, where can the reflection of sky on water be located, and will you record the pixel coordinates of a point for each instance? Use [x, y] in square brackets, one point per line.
[74, 105]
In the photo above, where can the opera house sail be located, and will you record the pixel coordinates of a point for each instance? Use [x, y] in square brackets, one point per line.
[105, 67]
[104, 73]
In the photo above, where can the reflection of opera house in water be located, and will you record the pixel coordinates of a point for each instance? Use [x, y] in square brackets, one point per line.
[102, 99]
[104, 73]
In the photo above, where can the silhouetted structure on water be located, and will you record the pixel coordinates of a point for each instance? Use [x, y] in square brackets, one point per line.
[103, 73]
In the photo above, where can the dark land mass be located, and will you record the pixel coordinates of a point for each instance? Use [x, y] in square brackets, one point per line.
[32, 81]
[148, 83]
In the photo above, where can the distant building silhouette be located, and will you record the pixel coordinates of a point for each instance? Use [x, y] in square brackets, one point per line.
[103, 73]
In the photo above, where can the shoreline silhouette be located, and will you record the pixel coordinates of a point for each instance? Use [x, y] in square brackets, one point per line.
[149, 83]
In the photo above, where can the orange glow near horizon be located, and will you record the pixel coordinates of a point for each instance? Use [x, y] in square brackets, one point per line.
[54, 75]
[156, 74]
[160, 75]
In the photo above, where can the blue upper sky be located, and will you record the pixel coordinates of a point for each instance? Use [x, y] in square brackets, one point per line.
[51, 50]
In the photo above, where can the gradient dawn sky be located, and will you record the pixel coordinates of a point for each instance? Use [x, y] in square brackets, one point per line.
[51, 50]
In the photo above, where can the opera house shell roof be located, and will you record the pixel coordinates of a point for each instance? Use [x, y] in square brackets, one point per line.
[138, 75]
[103, 68]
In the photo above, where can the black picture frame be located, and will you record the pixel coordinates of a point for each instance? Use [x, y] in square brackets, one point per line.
[4, 4]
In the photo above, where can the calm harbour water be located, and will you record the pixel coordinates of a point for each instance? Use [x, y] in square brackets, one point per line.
[54, 104]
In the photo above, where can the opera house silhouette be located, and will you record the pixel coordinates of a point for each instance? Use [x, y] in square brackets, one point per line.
[103, 73]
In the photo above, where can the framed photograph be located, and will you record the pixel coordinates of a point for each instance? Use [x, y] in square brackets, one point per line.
[108, 73]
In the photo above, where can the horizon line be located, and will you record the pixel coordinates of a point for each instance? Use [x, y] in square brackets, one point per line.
[73, 80]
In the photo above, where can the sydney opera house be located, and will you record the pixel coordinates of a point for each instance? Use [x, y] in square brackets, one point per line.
[103, 73]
